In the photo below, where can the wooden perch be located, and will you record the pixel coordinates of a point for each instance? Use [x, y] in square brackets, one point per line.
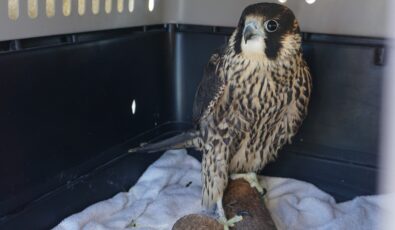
[239, 199]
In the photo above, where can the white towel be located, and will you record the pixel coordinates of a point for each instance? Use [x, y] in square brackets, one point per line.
[171, 188]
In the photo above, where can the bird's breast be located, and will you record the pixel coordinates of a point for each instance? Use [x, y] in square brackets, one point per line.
[254, 94]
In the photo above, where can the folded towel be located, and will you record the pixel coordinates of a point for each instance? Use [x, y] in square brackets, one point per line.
[171, 188]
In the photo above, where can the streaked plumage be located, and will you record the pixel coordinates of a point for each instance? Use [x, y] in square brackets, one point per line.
[252, 99]
[255, 103]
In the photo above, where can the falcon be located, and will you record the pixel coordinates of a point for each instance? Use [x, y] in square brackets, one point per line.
[251, 101]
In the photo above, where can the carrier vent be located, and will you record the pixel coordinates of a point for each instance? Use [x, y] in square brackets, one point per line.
[36, 18]
[69, 6]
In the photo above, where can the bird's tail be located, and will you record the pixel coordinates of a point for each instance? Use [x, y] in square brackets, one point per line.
[190, 139]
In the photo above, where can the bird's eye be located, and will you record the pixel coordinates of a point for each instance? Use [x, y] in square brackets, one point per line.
[271, 25]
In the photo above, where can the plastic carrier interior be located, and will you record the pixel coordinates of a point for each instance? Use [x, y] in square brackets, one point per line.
[81, 81]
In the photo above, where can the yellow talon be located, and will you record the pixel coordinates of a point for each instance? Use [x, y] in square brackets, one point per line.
[231, 222]
[250, 178]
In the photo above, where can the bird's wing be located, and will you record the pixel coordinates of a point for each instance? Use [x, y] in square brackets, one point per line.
[210, 88]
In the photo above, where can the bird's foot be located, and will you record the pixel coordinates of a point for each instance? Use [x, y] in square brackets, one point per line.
[231, 222]
[222, 218]
[252, 179]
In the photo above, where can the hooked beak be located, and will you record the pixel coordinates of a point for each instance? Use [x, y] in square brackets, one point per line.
[251, 31]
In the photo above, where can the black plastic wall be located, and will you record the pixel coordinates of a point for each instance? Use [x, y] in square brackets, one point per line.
[66, 118]
[63, 105]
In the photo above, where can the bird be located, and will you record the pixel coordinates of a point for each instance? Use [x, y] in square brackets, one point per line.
[251, 101]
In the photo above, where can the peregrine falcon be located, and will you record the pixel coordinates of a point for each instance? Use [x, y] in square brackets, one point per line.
[251, 101]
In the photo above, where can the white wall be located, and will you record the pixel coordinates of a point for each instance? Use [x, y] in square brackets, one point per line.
[346, 17]
[387, 137]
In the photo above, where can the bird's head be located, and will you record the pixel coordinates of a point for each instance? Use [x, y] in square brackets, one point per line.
[266, 31]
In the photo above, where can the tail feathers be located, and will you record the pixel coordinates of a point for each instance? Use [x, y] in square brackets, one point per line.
[184, 140]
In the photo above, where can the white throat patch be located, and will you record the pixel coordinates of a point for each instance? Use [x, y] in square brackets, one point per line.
[253, 47]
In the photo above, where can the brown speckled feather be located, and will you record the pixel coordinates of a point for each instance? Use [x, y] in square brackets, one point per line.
[256, 104]
[210, 88]
[251, 100]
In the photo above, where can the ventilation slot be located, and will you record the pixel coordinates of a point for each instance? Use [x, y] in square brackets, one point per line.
[131, 6]
[108, 6]
[95, 6]
[13, 9]
[151, 5]
[120, 6]
[32, 8]
[81, 7]
[66, 7]
[50, 8]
